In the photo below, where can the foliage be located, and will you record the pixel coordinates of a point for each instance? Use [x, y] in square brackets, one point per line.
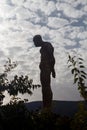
[79, 121]
[78, 70]
[16, 116]
[3, 77]
[20, 84]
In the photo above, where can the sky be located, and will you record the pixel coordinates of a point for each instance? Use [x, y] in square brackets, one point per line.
[61, 22]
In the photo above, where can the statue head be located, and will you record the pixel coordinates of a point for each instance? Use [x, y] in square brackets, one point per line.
[37, 39]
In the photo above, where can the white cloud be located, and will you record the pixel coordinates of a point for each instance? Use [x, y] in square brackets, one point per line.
[82, 35]
[6, 11]
[64, 93]
[56, 23]
[84, 44]
[69, 10]
[81, 2]
[85, 8]
[49, 8]
[17, 2]
[73, 2]
[3, 2]
[21, 13]
[75, 32]
[45, 6]
[85, 22]
[34, 5]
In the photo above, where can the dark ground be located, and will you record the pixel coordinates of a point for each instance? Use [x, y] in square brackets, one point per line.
[63, 108]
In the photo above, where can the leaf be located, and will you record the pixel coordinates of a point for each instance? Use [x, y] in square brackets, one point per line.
[39, 86]
[74, 57]
[29, 92]
[69, 57]
[77, 70]
[69, 66]
[73, 71]
[79, 87]
[75, 80]
[81, 79]
[74, 63]
[80, 63]
[81, 66]
[75, 75]
[9, 60]
[83, 72]
[72, 60]
[80, 59]
[83, 76]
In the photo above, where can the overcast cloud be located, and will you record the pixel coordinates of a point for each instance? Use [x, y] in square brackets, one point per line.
[61, 22]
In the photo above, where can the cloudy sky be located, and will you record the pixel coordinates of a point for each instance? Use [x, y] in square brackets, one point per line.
[61, 22]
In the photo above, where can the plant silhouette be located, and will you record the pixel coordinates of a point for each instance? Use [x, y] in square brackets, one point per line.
[20, 84]
[77, 69]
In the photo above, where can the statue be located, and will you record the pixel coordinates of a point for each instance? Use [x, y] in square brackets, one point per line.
[46, 69]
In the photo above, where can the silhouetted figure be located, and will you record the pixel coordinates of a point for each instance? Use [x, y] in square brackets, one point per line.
[47, 67]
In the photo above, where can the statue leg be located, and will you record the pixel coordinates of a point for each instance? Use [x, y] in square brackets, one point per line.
[46, 88]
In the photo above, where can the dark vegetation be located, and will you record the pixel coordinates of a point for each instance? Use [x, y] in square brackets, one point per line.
[15, 115]
[19, 84]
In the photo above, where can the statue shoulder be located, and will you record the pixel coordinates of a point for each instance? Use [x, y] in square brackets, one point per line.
[47, 47]
[47, 44]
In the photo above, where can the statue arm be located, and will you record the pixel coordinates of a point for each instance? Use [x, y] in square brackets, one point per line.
[51, 61]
